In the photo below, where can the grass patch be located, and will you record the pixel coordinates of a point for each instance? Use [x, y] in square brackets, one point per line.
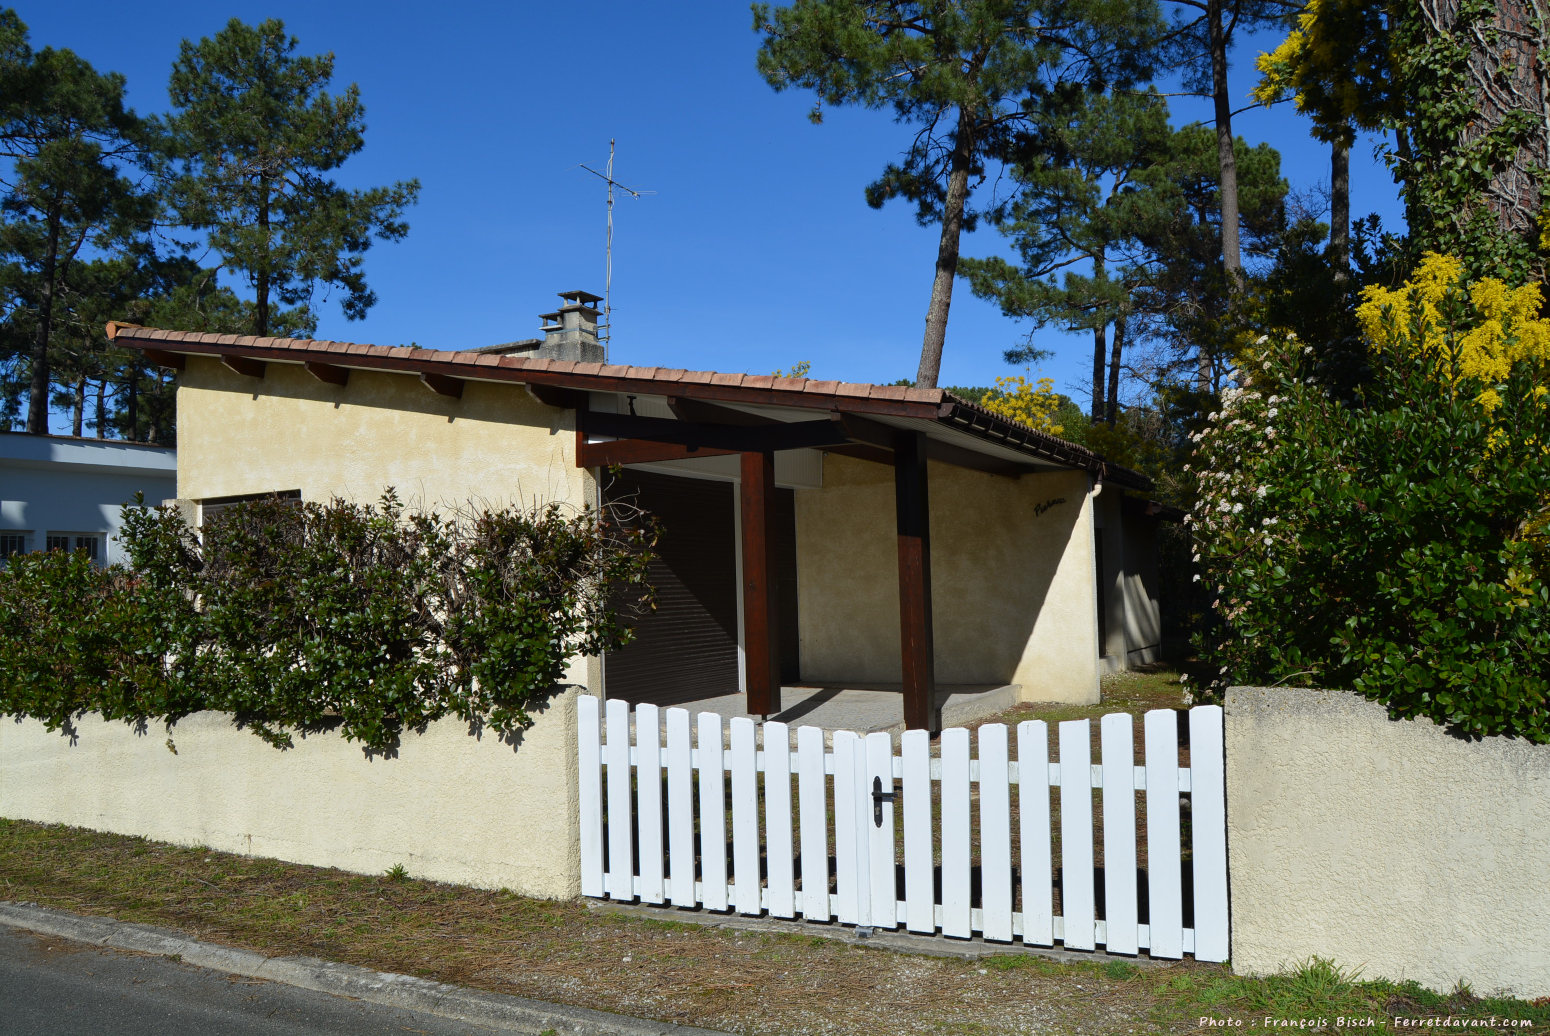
[1330, 997]
[1137, 691]
[663, 968]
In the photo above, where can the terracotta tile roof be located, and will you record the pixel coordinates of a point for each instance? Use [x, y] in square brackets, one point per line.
[935, 405]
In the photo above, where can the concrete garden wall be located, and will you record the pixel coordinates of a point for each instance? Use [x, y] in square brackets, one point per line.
[1387, 845]
[448, 807]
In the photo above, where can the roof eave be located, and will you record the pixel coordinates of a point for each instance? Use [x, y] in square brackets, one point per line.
[932, 405]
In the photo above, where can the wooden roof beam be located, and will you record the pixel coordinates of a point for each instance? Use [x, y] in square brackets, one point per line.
[329, 373]
[638, 451]
[442, 385]
[885, 437]
[794, 435]
[245, 365]
[162, 358]
[699, 411]
[553, 395]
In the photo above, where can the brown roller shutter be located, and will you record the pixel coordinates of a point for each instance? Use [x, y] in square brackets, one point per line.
[686, 649]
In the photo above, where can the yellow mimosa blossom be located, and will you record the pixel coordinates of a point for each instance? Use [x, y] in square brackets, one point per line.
[1500, 325]
[1333, 65]
[1035, 405]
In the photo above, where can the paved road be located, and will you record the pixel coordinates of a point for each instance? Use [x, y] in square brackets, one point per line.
[54, 987]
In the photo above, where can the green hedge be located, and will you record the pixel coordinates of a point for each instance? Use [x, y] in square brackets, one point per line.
[297, 617]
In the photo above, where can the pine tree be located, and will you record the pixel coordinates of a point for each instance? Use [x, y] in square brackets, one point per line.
[1188, 290]
[1075, 222]
[254, 135]
[67, 194]
[1204, 33]
[961, 71]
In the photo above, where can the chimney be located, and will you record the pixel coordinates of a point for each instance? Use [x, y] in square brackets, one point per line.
[570, 333]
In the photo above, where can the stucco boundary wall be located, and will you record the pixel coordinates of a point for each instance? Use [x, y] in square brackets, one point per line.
[1386, 845]
[449, 806]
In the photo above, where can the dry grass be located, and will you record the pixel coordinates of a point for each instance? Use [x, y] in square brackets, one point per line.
[563, 952]
[659, 968]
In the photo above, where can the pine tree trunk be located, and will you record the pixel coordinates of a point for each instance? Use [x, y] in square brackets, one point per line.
[1340, 210]
[1232, 258]
[132, 404]
[1114, 357]
[78, 406]
[1100, 345]
[37, 388]
[947, 253]
[160, 431]
[102, 409]
[261, 280]
[1100, 357]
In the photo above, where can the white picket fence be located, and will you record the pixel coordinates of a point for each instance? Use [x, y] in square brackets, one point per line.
[647, 835]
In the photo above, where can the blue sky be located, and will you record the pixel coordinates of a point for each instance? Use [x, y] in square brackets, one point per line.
[757, 249]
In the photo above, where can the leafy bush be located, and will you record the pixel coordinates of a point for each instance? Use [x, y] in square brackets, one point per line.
[80, 639]
[1394, 543]
[300, 617]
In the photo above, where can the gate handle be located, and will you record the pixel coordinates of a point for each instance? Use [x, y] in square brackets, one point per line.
[879, 796]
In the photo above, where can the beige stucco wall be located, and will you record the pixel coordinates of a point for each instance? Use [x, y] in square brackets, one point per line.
[1386, 845]
[495, 445]
[448, 807]
[1012, 591]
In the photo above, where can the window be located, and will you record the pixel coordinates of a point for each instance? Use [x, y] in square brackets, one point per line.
[89, 542]
[211, 506]
[12, 543]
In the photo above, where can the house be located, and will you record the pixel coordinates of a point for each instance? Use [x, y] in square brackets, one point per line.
[815, 532]
[62, 492]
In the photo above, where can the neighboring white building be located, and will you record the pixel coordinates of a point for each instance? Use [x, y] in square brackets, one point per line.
[57, 491]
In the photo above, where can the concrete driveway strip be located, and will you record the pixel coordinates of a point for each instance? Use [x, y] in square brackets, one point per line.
[477, 1011]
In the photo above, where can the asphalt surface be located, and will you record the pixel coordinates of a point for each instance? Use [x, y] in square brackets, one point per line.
[54, 987]
[62, 974]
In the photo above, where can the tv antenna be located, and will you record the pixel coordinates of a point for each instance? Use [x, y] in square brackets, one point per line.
[606, 331]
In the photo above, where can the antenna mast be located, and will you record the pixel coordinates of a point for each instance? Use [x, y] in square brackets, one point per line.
[606, 331]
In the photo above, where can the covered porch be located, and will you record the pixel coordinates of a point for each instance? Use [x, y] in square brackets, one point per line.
[839, 466]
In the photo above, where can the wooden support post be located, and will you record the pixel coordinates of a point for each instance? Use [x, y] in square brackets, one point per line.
[761, 612]
[914, 525]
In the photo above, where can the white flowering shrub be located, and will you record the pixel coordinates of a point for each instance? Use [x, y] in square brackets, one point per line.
[1394, 543]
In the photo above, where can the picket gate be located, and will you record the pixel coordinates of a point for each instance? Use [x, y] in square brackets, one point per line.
[654, 827]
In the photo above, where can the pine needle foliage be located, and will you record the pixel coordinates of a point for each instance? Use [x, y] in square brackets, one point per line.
[255, 138]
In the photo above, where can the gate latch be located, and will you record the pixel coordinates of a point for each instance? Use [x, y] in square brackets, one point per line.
[879, 796]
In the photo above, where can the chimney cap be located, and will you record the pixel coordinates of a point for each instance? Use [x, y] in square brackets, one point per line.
[583, 297]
